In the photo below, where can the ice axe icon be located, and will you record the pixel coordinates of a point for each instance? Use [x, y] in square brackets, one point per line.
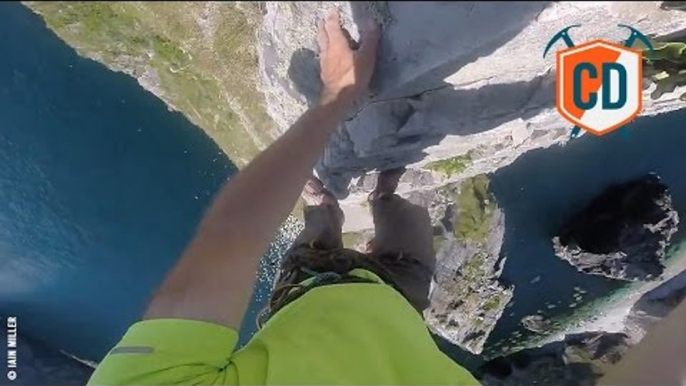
[636, 34]
[564, 35]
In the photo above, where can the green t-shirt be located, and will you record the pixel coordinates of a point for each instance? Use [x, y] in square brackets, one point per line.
[362, 333]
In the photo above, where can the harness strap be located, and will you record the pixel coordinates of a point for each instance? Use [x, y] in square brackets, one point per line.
[285, 294]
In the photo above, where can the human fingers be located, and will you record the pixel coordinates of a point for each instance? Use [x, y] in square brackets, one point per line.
[322, 37]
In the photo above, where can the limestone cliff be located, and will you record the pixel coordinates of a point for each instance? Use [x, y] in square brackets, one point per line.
[198, 57]
[579, 359]
[461, 88]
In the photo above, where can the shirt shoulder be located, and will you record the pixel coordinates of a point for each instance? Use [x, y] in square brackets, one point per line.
[170, 351]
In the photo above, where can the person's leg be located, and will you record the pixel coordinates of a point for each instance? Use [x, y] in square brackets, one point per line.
[322, 232]
[323, 218]
[403, 242]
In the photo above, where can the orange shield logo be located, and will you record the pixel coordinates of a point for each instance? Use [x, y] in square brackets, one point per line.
[599, 85]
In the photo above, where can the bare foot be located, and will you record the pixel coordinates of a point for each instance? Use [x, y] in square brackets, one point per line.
[314, 193]
[387, 183]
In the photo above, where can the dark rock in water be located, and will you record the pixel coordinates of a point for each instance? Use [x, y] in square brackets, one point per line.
[578, 360]
[536, 323]
[623, 233]
[595, 348]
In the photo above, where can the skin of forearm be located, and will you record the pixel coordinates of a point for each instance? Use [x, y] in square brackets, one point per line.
[214, 279]
[241, 222]
[260, 197]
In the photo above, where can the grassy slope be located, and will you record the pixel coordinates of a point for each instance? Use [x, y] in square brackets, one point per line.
[198, 57]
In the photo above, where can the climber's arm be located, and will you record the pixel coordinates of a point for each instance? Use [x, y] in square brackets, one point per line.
[214, 279]
[658, 359]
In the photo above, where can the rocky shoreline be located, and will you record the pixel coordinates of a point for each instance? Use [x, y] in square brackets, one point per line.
[581, 356]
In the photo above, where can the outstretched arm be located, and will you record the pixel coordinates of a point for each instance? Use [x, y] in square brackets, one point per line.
[214, 279]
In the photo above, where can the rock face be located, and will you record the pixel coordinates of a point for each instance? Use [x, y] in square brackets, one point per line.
[467, 296]
[623, 233]
[461, 88]
[577, 360]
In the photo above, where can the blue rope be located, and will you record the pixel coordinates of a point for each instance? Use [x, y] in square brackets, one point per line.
[320, 277]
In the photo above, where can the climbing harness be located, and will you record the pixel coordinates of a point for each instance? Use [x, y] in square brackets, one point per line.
[306, 268]
[287, 293]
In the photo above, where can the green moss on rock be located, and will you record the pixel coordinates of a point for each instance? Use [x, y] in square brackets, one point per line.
[475, 208]
[665, 65]
[493, 303]
[451, 166]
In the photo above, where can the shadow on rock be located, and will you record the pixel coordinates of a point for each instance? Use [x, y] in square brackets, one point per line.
[304, 73]
[413, 107]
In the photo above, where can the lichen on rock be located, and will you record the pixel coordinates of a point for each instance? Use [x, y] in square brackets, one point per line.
[665, 66]
[450, 166]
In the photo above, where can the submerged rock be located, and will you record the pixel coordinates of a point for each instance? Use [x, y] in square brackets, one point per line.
[577, 360]
[535, 323]
[623, 233]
